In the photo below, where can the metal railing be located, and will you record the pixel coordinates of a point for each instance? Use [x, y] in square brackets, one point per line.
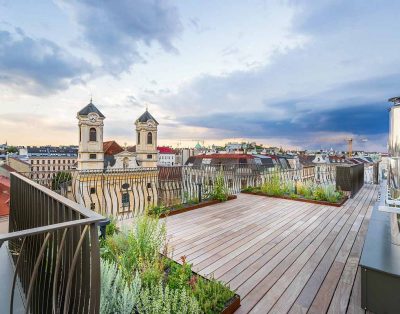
[124, 193]
[54, 247]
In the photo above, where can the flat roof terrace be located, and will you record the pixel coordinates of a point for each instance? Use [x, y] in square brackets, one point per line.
[279, 255]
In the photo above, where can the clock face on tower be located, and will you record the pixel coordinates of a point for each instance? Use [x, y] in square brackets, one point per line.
[150, 123]
[92, 117]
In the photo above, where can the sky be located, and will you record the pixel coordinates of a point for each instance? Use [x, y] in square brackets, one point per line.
[298, 74]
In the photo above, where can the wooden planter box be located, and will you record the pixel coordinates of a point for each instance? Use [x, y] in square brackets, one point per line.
[304, 200]
[233, 304]
[195, 206]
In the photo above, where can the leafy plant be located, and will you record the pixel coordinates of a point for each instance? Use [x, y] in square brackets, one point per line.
[219, 192]
[59, 179]
[117, 295]
[212, 295]
[156, 299]
[138, 248]
[272, 186]
[157, 211]
[112, 227]
[178, 275]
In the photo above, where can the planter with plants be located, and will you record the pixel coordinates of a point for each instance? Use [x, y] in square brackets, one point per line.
[136, 278]
[218, 194]
[304, 192]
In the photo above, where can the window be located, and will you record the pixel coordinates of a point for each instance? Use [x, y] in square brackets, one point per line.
[93, 206]
[125, 199]
[148, 185]
[92, 156]
[92, 135]
[92, 190]
[149, 156]
[149, 138]
[138, 138]
[125, 162]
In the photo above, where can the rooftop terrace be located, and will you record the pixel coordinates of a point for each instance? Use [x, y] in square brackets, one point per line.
[280, 255]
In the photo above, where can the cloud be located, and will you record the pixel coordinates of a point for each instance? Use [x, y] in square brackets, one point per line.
[117, 29]
[38, 65]
[338, 81]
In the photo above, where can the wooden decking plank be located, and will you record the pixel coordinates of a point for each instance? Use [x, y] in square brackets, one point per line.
[279, 250]
[243, 271]
[326, 266]
[261, 266]
[234, 266]
[226, 231]
[303, 251]
[267, 236]
[214, 223]
[341, 298]
[251, 236]
[316, 266]
[354, 306]
[324, 295]
[284, 292]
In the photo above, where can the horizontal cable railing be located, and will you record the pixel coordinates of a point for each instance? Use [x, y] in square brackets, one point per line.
[54, 246]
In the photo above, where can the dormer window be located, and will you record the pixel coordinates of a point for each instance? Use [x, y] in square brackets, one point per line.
[92, 135]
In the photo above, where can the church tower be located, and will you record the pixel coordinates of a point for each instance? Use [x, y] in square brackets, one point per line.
[146, 140]
[91, 155]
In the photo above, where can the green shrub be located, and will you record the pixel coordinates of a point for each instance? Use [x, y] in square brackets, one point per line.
[157, 211]
[117, 296]
[219, 191]
[272, 186]
[212, 295]
[158, 300]
[138, 248]
[178, 275]
[112, 227]
[137, 279]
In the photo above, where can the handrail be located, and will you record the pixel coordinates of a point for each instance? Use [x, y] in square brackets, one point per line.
[73, 205]
[52, 239]
[33, 231]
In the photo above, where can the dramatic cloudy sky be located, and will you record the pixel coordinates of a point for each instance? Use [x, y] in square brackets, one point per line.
[289, 73]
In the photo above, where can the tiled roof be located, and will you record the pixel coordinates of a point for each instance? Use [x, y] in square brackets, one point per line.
[225, 156]
[165, 150]
[112, 148]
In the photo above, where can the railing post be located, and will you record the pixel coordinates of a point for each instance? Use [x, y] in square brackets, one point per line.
[199, 185]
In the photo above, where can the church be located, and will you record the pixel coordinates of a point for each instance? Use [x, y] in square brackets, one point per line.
[110, 179]
[92, 154]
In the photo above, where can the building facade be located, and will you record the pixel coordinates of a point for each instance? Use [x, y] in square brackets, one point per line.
[166, 156]
[146, 140]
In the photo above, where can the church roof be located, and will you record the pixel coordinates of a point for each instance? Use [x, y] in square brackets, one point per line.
[146, 116]
[90, 108]
[112, 148]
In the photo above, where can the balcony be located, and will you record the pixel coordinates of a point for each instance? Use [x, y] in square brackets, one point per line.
[279, 255]
[50, 261]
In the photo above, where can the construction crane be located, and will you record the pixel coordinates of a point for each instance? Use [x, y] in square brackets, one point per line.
[349, 147]
[349, 141]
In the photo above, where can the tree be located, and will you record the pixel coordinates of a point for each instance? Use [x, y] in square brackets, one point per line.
[12, 150]
[60, 178]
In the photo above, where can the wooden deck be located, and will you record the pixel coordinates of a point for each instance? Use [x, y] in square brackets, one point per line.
[279, 255]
